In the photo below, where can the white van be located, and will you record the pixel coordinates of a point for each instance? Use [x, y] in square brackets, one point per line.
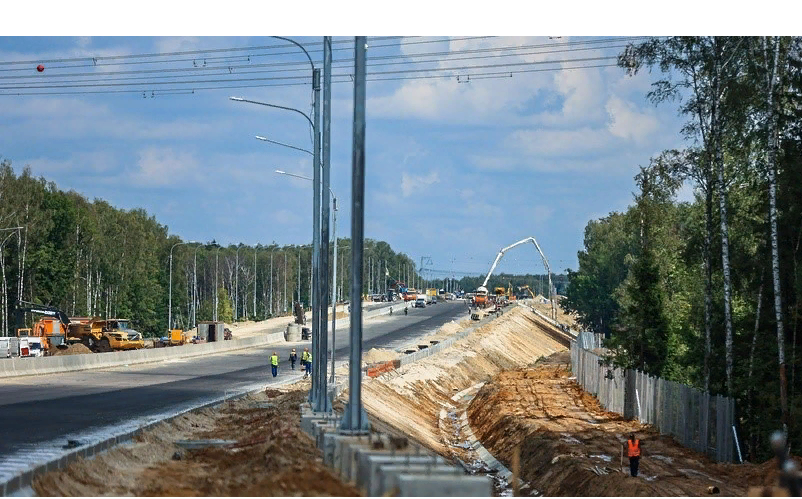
[5, 347]
[35, 346]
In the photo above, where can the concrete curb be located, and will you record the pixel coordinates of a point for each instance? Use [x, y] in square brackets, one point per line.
[25, 478]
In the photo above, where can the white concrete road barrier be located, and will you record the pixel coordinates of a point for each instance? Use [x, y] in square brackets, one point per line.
[67, 363]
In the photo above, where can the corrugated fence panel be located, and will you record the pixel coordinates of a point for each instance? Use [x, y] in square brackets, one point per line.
[696, 419]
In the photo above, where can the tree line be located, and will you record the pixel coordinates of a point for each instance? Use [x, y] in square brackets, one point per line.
[708, 292]
[91, 259]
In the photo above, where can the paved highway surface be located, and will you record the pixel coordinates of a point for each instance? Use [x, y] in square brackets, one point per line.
[40, 409]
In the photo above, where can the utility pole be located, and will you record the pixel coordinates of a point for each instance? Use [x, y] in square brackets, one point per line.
[324, 404]
[271, 283]
[313, 393]
[299, 275]
[255, 248]
[285, 282]
[355, 420]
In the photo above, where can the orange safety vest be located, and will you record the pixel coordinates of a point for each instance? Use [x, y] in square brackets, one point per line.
[633, 449]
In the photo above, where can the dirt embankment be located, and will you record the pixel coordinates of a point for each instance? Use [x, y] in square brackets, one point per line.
[410, 398]
[571, 446]
[271, 457]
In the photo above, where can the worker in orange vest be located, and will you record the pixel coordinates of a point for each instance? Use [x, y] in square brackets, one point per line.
[633, 448]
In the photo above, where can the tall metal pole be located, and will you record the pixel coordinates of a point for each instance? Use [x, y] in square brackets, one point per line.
[316, 238]
[255, 248]
[355, 420]
[271, 283]
[236, 288]
[216, 272]
[285, 282]
[324, 404]
[299, 276]
[334, 292]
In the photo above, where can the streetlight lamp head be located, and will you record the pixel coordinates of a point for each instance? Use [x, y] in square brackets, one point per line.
[260, 137]
[281, 172]
[240, 99]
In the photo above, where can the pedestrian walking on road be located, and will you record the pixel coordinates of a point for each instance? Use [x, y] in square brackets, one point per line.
[293, 358]
[307, 359]
[634, 452]
[274, 364]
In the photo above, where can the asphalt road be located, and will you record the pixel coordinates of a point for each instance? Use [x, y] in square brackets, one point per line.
[52, 406]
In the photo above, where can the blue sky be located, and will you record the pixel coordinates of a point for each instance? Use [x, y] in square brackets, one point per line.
[455, 170]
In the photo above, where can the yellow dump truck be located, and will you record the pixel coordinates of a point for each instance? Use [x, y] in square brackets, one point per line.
[106, 335]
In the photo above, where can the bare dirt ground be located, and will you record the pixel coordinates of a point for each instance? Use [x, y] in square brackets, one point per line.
[271, 456]
[410, 398]
[564, 435]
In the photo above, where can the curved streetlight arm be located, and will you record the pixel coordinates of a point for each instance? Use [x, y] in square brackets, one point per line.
[240, 99]
[265, 139]
[299, 46]
[282, 172]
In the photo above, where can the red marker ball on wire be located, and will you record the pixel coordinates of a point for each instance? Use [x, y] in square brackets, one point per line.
[40, 68]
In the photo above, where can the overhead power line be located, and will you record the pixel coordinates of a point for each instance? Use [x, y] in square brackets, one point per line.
[263, 85]
[274, 78]
[247, 56]
[303, 66]
[93, 61]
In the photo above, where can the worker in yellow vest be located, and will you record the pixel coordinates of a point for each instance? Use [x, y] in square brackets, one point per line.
[307, 360]
[274, 364]
[634, 453]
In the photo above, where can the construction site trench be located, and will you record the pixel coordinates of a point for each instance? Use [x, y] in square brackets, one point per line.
[503, 389]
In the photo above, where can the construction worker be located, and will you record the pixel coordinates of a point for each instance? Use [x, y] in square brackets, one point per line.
[633, 452]
[307, 358]
[274, 364]
[293, 358]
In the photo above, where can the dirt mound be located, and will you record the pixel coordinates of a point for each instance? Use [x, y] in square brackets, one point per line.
[379, 355]
[75, 349]
[271, 457]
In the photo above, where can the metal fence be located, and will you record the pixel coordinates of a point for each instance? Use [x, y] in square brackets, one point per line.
[696, 419]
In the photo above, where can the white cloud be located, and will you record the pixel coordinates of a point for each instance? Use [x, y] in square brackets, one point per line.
[164, 167]
[561, 143]
[627, 122]
[415, 183]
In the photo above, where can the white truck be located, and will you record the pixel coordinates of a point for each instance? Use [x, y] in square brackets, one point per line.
[420, 301]
[9, 346]
[31, 346]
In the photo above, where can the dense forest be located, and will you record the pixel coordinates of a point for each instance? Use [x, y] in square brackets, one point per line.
[92, 259]
[708, 292]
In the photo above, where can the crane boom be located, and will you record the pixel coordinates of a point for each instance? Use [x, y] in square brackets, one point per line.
[542, 256]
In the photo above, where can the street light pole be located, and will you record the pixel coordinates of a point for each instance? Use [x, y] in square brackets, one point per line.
[355, 420]
[324, 404]
[334, 277]
[236, 285]
[216, 272]
[170, 299]
[255, 249]
[195, 289]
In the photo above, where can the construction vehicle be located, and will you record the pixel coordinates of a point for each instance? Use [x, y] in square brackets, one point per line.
[105, 335]
[501, 252]
[480, 298]
[525, 287]
[52, 330]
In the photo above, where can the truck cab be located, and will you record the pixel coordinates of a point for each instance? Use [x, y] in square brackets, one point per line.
[420, 302]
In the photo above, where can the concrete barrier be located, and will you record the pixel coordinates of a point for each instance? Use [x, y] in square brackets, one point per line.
[67, 363]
